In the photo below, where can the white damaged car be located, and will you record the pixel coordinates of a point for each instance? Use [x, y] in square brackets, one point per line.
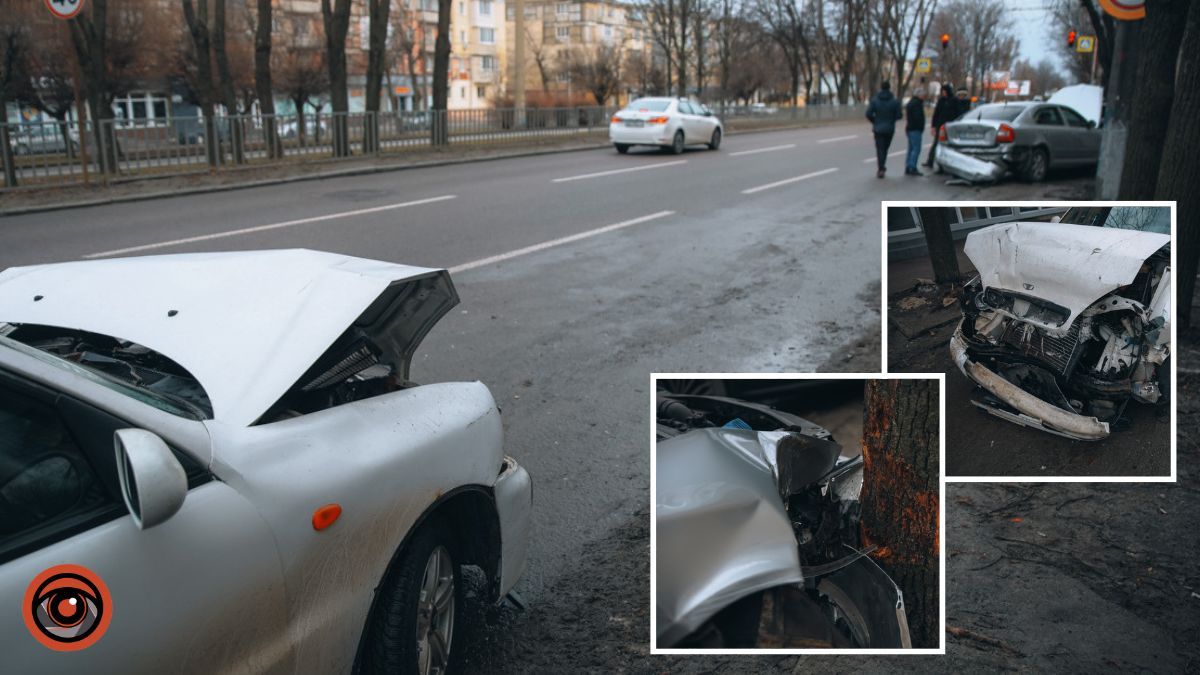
[1067, 324]
[225, 454]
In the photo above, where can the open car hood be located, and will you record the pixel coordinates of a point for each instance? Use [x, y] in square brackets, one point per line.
[1071, 266]
[249, 326]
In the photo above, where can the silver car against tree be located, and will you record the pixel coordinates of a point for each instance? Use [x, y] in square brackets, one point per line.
[280, 497]
[1027, 139]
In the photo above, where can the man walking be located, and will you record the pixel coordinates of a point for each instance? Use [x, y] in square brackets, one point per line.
[914, 127]
[945, 111]
[883, 112]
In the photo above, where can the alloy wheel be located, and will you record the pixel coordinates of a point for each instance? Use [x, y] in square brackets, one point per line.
[435, 613]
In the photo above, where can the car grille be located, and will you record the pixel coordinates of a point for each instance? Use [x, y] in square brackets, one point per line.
[1058, 353]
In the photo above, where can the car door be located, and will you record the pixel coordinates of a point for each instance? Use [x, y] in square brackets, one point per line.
[201, 591]
[1051, 127]
[1084, 135]
[691, 122]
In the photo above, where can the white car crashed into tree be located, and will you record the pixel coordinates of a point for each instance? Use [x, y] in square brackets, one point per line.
[669, 123]
[226, 455]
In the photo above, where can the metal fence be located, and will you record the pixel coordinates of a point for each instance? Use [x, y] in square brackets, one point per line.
[56, 154]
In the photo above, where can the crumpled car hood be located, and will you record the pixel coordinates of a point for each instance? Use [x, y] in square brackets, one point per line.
[246, 325]
[1069, 265]
[721, 529]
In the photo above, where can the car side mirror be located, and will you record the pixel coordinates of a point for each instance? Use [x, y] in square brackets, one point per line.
[1091, 124]
[153, 482]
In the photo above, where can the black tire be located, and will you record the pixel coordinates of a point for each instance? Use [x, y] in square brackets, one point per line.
[716, 140]
[677, 143]
[393, 643]
[1036, 165]
[621, 147]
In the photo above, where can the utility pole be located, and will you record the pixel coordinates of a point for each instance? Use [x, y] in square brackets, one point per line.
[519, 66]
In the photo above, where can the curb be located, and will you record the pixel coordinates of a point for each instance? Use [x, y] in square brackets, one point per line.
[337, 173]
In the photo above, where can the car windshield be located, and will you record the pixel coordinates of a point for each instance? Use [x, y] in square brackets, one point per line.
[1141, 218]
[1005, 113]
[649, 104]
[125, 367]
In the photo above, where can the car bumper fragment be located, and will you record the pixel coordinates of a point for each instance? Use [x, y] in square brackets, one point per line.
[1032, 411]
[970, 168]
[514, 504]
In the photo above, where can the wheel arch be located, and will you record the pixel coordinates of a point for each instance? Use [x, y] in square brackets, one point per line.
[463, 509]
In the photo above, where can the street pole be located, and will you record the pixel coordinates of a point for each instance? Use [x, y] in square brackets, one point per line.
[1095, 50]
[519, 66]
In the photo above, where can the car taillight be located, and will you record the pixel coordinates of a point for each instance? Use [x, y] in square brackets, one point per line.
[657, 120]
[1005, 134]
[942, 134]
[616, 120]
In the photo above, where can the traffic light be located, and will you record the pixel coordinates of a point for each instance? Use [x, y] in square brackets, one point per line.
[946, 40]
[1071, 39]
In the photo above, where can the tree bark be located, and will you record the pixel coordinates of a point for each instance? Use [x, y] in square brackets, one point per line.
[197, 22]
[89, 37]
[225, 76]
[941, 244]
[336, 19]
[1179, 171]
[441, 75]
[262, 78]
[1162, 32]
[376, 64]
[900, 494]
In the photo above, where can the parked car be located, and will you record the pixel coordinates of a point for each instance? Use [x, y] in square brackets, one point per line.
[1068, 324]
[42, 139]
[1025, 138]
[290, 128]
[761, 108]
[229, 447]
[757, 507]
[669, 123]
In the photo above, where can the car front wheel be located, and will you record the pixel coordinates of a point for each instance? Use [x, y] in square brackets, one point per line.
[413, 627]
[1036, 166]
[716, 140]
[677, 144]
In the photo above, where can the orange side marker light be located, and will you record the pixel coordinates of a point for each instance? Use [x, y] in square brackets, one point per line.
[325, 516]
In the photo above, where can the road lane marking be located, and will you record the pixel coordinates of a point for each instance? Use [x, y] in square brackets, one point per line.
[890, 154]
[615, 171]
[839, 138]
[770, 149]
[264, 228]
[806, 176]
[557, 242]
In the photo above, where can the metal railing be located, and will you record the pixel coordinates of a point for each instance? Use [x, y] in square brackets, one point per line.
[55, 154]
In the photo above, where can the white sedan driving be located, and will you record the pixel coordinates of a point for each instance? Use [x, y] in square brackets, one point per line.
[669, 123]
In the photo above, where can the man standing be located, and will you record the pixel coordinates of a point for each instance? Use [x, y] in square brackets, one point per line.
[945, 111]
[883, 112]
[914, 127]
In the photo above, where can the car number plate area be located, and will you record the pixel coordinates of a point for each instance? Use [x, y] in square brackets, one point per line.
[634, 123]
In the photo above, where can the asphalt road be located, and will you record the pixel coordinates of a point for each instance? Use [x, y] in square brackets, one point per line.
[980, 444]
[580, 273]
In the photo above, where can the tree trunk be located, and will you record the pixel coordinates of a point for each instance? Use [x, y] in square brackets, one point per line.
[6, 151]
[228, 95]
[197, 22]
[337, 21]
[376, 59]
[441, 76]
[1179, 171]
[1162, 31]
[89, 37]
[941, 244]
[900, 494]
[262, 79]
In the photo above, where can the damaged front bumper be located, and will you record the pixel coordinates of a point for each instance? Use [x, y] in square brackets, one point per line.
[982, 167]
[1030, 410]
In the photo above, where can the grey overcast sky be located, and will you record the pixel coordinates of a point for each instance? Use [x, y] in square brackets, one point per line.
[1031, 21]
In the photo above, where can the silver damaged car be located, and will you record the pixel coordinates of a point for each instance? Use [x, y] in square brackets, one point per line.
[218, 461]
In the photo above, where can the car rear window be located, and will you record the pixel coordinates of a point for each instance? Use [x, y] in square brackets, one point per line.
[649, 105]
[1005, 113]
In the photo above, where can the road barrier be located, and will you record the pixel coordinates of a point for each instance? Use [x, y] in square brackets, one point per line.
[51, 154]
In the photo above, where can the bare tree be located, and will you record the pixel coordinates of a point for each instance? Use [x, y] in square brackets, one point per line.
[409, 42]
[335, 15]
[301, 73]
[1043, 77]
[439, 130]
[376, 64]
[541, 59]
[13, 76]
[225, 77]
[787, 25]
[982, 40]
[671, 23]
[596, 69]
[197, 22]
[904, 28]
[1083, 17]
[262, 76]
[840, 28]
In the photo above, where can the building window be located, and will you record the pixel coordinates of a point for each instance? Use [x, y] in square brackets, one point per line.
[563, 33]
[485, 7]
[462, 92]
[487, 62]
[462, 37]
[510, 13]
[562, 8]
[481, 91]
[608, 32]
[487, 35]
[462, 7]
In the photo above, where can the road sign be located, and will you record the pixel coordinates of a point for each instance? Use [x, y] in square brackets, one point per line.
[1125, 10]
[64, 9]
[1086, 44]
[924, 65]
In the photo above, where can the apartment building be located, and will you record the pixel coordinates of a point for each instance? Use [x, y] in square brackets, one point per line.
[555, 28]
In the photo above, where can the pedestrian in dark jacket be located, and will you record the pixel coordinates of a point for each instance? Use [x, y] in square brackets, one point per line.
[964, 103]
[883, 112]
[945, 111]
[914, 128]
